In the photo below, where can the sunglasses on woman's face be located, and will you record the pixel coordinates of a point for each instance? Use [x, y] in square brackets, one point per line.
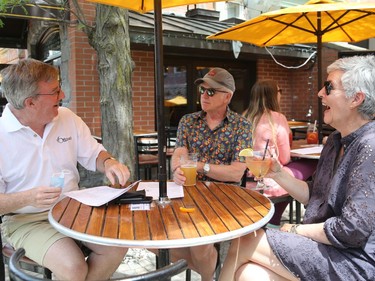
[210, 91]
[328, 87]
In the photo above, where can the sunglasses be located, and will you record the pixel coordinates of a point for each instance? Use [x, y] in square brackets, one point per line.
[328, 87]
[210, 91]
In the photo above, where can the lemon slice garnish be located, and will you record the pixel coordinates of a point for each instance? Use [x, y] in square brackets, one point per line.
[246, 152]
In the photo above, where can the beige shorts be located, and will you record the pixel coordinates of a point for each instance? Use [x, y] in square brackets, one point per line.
[32, 232]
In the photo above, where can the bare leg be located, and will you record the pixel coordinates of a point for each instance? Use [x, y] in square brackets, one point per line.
[66, 260]
[204, 260]
[201, 259]
[103, 261]
[254, 272]
[253, 249]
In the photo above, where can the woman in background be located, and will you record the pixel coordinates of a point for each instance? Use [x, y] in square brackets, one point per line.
[269, 124]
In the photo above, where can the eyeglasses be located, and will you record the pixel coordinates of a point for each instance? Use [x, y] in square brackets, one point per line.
[55, 93]
[210, 91]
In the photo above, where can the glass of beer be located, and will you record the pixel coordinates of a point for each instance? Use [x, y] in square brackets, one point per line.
[188, 164]
[259, 164]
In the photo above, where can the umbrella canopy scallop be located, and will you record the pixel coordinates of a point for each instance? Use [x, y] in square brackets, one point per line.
[332, 21]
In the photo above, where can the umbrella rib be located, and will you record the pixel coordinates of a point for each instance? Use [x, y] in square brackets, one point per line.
[341, 26]
[286, 25]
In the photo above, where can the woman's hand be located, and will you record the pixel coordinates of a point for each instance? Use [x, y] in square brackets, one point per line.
[274, 170]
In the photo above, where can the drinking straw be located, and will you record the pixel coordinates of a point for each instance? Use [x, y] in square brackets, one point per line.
[314, 127]
[265, 149]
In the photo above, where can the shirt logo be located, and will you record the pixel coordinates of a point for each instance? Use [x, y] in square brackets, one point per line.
[62, 140]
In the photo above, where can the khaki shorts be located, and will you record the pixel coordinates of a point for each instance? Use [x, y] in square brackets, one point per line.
[31, 232]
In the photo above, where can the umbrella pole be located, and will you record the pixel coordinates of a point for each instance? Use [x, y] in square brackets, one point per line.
[159, 93]
[319, 49]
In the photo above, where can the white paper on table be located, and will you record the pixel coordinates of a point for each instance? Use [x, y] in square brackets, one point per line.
[308, 150]
[152, 189]
[99, 195]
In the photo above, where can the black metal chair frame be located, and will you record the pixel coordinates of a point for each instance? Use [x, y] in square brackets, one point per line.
[17, 274]
[147, 150]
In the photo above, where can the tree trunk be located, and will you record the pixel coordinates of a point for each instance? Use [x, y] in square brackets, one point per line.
[112, 43]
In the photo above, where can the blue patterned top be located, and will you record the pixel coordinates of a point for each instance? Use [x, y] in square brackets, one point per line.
[343, 197]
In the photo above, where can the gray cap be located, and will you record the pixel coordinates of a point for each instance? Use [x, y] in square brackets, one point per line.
[218, 78]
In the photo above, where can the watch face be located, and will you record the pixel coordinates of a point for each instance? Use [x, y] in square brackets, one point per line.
[206, 168]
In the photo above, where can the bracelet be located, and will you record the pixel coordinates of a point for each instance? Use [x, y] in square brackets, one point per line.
[108, 158]
[293, 229]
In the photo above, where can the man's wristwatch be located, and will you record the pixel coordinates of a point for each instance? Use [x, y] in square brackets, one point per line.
[206, 168]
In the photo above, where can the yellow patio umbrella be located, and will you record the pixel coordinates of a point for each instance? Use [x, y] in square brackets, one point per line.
[143, 6]
[314, 22]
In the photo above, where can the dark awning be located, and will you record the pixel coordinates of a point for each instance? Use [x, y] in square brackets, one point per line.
[13, 34]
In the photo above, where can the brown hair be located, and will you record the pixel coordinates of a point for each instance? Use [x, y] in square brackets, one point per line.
[263, 100]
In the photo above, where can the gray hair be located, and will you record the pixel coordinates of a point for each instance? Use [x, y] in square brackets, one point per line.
[359, 76]
[20, 81]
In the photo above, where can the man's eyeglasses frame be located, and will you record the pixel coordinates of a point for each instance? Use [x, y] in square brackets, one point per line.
[57, 92]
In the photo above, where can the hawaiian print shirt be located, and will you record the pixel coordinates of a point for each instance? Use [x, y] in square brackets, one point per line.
[219, 146]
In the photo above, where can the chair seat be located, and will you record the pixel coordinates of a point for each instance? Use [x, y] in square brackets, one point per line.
[25, 262]
[145, 159]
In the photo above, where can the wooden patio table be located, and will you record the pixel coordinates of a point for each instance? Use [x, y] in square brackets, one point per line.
[221, 212]
[298, 144]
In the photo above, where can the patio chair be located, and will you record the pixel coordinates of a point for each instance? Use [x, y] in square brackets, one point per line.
[146, 155]
[25, 263]
[17, 274]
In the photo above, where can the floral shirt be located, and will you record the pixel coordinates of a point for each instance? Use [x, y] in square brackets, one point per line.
[218, 146]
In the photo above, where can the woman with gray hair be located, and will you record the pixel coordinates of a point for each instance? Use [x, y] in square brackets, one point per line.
[337, 238]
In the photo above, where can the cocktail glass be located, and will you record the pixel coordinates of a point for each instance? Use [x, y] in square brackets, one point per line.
[259, 164]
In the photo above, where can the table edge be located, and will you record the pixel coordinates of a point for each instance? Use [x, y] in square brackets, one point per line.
[161, 244]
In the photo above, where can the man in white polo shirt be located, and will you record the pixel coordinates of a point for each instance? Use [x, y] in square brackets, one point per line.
[38, 138]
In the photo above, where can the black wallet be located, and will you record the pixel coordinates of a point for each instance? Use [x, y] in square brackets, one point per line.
[132, 197]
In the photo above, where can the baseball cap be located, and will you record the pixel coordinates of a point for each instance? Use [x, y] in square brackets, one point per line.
[218, 78]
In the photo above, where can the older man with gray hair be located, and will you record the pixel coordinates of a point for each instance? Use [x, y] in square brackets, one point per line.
[217, 135]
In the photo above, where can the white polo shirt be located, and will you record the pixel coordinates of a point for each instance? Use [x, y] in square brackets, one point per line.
[27, 160]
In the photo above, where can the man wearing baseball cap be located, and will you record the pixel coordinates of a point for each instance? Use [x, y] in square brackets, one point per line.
[217, 135]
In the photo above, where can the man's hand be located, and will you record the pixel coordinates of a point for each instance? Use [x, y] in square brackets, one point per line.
[178, 177]
[115, 170]
[44, 196]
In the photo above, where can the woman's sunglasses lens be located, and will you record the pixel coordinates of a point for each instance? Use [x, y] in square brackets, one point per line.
[328, 87]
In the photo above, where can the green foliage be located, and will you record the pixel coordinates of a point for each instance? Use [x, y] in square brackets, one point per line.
[8, 5]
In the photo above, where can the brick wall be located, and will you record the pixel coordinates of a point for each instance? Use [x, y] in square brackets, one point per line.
[143, 90]
[83, 74]
[297, 94]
